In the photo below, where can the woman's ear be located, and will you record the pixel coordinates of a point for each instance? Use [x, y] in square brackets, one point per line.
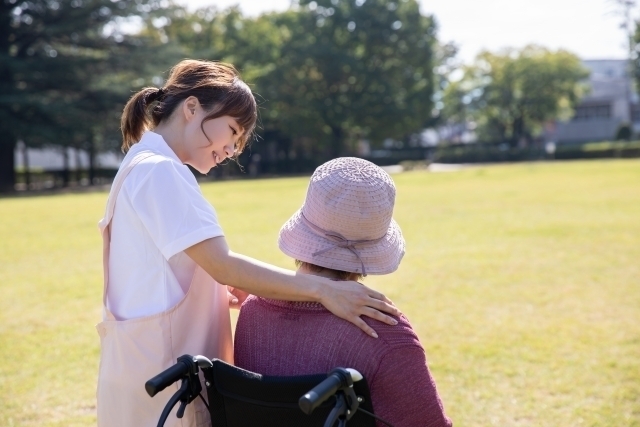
[189, 107]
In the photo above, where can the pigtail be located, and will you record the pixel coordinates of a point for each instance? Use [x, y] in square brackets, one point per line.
[135, 116]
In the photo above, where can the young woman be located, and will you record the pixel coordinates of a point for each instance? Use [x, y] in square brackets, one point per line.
[165, 254]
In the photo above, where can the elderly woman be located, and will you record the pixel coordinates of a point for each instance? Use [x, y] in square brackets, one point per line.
[344, 231]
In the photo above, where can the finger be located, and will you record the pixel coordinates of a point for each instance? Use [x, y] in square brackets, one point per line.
[378, 295]
[233, 300]
[372, 292]
[378, 315]
[383, 306]
[362, 325]
[373, 295]
[237, 292]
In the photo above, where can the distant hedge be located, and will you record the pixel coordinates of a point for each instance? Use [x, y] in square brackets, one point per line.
[486, 153]
[595, 150]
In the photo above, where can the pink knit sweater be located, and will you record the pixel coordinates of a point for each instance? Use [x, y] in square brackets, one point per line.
[294, 338]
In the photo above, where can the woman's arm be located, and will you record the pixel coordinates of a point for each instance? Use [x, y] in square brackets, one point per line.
[348, 300]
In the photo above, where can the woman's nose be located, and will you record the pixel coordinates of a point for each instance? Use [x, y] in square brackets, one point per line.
[229, 150]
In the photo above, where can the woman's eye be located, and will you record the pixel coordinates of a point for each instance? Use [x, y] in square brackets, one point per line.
[233, 130]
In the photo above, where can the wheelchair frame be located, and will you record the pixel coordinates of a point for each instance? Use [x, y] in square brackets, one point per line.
[337, 385]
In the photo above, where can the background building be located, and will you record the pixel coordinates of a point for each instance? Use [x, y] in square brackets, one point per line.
[610, 104]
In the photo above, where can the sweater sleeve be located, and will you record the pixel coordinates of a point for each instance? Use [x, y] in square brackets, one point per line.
[404, 393]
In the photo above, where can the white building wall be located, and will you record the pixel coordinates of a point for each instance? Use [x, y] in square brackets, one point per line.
[52, 159]
[620, 109]
[609, 85]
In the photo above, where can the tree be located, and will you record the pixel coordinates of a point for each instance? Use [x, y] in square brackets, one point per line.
[329, 73]
[326, 74]
[55, 57]
[511, 94]
[452, 103]
[351, 70]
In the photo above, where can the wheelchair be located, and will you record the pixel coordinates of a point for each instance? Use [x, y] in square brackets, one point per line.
[240, 398]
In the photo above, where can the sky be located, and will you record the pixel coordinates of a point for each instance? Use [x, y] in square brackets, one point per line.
[588, 28]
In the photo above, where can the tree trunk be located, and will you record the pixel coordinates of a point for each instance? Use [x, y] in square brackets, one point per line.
[25, 163]
[65, 167]
[78, 168]
[285, 147]
[518, 131]
[92, 161]
[7, 163]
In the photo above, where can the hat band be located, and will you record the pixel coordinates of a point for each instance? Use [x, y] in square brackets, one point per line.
[338, 241]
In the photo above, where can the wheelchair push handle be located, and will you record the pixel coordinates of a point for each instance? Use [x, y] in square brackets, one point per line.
[165, 378]
[338, 379]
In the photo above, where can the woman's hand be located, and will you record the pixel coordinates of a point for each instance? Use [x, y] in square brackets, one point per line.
[236, 297]
[350, 300]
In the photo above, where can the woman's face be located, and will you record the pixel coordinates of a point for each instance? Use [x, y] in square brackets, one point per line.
[205, 150]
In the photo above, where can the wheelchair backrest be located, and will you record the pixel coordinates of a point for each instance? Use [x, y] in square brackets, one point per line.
[240, 398]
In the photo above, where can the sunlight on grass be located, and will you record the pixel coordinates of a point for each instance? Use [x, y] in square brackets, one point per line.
[522, 281]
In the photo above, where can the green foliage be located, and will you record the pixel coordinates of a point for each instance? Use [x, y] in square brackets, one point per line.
[63, 71]
[598, 150]
[485, 153]
[350, 72]
[329, 73]
[512, 93]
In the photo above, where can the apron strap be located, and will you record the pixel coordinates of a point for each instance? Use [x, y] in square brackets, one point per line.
[105, 223]
[117, 185]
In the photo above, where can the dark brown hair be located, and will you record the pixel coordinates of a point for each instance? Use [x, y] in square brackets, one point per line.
[340, 275]
[216, 85]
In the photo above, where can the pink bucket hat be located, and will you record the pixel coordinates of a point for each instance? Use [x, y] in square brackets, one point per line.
[346, 220]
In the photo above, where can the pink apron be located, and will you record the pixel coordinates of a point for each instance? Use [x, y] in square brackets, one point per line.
[135, 350]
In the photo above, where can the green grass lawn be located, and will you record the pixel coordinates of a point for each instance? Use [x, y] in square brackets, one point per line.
[523, 282]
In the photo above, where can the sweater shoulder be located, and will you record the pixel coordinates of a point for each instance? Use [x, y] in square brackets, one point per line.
[395, 336]
[389, 336]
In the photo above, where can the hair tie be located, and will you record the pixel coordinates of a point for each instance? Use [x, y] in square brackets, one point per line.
[154, 96]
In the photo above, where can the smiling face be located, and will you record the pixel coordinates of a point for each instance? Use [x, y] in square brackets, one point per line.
[208, 144]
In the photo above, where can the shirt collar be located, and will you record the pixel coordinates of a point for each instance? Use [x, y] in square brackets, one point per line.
[295, 305]
[156, 143]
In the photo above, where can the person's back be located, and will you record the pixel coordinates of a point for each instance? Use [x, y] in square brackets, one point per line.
[293, 338]
[343, 231]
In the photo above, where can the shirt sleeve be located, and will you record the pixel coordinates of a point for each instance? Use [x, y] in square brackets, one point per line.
[404, 393]
[171, 206]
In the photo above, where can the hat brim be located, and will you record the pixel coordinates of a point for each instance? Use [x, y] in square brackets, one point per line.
[383, 256]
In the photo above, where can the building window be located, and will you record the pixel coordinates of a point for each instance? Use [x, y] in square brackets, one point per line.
[592, 111]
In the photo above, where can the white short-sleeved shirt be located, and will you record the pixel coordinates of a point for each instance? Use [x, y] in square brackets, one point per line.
[160, 211]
